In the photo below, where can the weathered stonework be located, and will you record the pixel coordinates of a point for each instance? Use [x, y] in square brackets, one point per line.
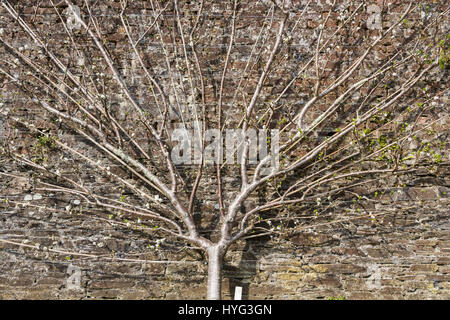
[402, 254]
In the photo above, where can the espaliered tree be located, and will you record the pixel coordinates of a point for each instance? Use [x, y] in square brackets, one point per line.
[341, 93]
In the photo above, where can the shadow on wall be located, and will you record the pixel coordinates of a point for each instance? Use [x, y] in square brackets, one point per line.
[245, 272]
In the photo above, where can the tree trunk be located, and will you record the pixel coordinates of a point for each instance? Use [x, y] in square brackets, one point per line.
[215, 259]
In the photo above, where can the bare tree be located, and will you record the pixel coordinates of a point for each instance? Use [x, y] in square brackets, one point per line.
[343, 103]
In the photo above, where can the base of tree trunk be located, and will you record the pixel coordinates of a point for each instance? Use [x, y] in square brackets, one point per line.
[215, 257]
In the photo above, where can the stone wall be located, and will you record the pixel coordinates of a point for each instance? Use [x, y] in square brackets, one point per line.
[402, 254]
